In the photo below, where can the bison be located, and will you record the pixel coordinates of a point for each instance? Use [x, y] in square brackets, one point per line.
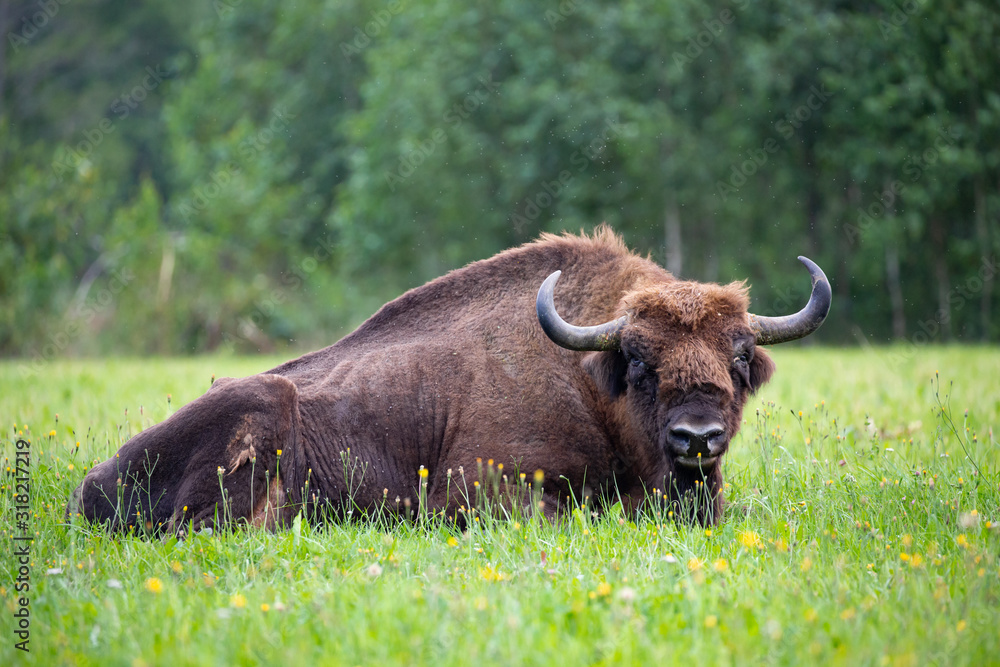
[480, 364]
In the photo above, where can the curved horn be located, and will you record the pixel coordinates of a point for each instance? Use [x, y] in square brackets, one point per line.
[773, 330]
[605, 336]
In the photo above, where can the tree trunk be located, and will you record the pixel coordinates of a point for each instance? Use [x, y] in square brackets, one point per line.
[895, 291]
[672, 234]
[986, 248]
[939, 252]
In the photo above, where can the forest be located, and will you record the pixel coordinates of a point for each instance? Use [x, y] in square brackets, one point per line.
[250, 175]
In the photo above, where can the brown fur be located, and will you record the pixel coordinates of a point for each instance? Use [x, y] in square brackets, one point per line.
[448, 374]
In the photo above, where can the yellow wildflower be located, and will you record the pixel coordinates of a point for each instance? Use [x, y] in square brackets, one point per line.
[750, 540]
[154, 585]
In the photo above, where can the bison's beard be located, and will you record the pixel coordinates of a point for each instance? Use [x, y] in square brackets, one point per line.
[695, 494]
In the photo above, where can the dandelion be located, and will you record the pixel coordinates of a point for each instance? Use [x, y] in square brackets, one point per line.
[219, 470]
[916, 561]
[52, 433]
[694, 563]
[711, 621]
[806, 564]
[238, 600]
[452, 542]
[750, 539]
[962, 541]
[539, 476]
[907, 540]
[720, 565]
[154, 585]
[374, 570]
[604, 589]
[423, 472]
[848, 614]
[265, 607]
[279, 452]
[961, 626]
[176, 567]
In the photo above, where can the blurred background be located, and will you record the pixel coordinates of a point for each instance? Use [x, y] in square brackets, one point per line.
[250, 175]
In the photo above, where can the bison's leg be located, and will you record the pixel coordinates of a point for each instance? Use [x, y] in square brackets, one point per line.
[224, 445]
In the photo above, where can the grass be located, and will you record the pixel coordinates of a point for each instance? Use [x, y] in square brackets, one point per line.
[862, 529]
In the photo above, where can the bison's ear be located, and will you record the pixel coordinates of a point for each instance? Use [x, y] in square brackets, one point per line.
[761, 369]
[608, 370]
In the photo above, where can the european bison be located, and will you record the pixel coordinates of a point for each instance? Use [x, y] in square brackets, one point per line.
[471, 367]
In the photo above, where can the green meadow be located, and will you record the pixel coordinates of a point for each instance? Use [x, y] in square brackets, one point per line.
[862, 528]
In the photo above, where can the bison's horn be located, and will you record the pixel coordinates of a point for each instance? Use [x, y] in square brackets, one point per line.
[773, 330]
[605, 336]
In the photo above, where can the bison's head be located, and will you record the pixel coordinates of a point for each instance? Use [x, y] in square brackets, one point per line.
[680, 364]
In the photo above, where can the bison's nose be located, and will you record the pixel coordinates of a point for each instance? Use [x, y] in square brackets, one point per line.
[688, 440]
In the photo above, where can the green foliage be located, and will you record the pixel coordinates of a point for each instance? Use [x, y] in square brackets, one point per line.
[861, 528]
[271, 173]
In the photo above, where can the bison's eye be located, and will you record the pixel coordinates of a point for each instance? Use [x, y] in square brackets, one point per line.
[742, 359]
[637, 364]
